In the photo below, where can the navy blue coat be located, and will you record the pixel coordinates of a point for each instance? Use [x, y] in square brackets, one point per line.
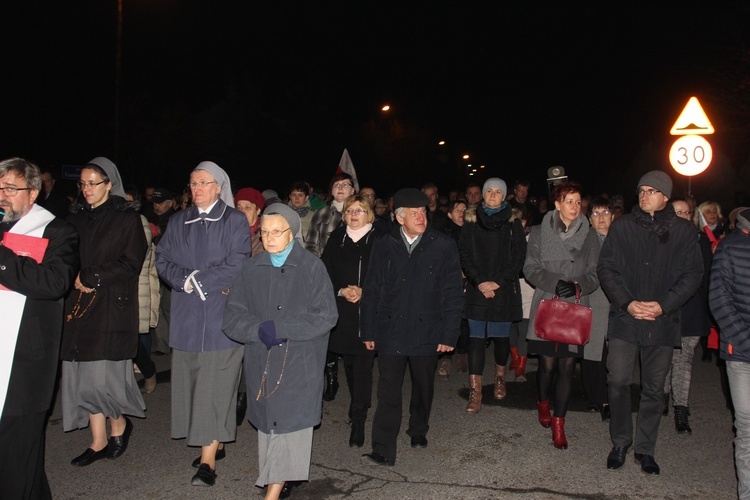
[412, 303]
[217, 248]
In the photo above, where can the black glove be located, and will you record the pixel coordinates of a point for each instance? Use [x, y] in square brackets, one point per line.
[565, 289]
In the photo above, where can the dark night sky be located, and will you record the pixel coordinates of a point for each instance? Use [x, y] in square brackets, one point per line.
[275, 93]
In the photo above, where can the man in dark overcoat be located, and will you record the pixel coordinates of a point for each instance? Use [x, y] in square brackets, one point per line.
[31, 308]
[649, 266]
[411, 312]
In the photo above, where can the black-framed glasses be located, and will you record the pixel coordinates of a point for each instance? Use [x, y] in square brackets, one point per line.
[273, 232]
[11, 191]
[649, 192]
[89, 184]
[341, 185]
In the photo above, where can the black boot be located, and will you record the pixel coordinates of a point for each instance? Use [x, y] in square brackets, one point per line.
[241, 407]
[665, 412]
[681, 420]
[332, 381]
[357, 436]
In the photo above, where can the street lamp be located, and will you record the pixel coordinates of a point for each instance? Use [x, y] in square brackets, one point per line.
[385, 108]
[465, 157]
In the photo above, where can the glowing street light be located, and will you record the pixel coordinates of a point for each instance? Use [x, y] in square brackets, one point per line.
[465, 157]
[441, 143]
[385, 108]
[481, 166]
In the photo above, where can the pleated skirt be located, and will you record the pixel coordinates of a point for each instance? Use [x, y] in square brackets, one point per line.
[284, 457]
[204, 395]
[107, 387]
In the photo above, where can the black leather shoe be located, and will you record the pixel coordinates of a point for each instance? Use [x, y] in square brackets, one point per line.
[219, 455]
[593, 408]
[418, 442]
[648, 464]
[286, 490]
[205, 476]
[376, 458]
[88, 457]
[118, 444]
[616, 458]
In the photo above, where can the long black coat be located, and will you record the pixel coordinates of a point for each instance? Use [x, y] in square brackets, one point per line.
[696, 318]
[35, 361]
[636, 264]
[113, 247]
[412, 302]
[493, 248]
[347, 264]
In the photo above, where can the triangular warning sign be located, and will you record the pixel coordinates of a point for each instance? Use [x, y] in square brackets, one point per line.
[692, 120]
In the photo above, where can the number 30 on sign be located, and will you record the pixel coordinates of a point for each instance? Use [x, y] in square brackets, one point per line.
[690, 155]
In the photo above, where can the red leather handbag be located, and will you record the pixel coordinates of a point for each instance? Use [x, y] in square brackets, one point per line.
[563, 322]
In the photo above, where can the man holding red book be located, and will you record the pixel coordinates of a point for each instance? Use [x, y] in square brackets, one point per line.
[38, 261]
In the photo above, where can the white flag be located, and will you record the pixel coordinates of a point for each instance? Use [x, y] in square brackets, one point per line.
[346, 166]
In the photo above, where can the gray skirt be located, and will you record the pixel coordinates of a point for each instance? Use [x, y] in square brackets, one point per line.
[91, 387]
[284, 457]
[204, 395]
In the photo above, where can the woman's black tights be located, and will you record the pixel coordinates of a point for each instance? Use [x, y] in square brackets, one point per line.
[476, 353]
[565, 367]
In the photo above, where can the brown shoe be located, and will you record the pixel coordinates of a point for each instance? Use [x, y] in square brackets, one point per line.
[444, 367]
[462, 362]
[149, 384]
[500, 389]
[475, 394]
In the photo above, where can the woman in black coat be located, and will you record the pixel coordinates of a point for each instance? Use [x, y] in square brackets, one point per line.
[346, 257]
[492, 248]
[100, 336]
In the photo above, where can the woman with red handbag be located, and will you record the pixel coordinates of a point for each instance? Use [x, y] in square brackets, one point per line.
[561, 260]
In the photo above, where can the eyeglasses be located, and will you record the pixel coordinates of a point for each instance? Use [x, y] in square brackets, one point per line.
[273, 232]
[649, 192]
[368, 195]
[602, 213]
[11, 191]
[341, 185]
[89, 184]
[200, 184]
[358, 211]
[683, 212]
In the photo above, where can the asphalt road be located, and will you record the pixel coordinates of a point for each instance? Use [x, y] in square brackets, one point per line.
[501, 452]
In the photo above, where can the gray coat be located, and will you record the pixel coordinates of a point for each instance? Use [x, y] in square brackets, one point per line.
[544, 274]
[599, 304]
[298, 297]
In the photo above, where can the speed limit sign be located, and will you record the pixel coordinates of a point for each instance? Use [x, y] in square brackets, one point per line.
[690, 154]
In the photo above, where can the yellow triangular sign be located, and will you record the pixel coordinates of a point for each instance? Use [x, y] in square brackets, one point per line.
[692, 120]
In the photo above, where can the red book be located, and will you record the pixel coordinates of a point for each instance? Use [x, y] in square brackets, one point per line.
[27, 246]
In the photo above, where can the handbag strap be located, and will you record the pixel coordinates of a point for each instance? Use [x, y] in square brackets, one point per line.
[578, 293]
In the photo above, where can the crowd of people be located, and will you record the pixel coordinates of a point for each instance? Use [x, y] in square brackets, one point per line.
[257, 293]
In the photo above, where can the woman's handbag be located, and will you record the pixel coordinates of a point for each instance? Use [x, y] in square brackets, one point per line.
[563, 322]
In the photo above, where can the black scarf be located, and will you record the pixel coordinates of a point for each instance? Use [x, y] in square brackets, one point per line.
[659, 223]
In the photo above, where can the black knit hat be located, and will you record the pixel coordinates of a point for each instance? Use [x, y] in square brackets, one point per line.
[410, 198]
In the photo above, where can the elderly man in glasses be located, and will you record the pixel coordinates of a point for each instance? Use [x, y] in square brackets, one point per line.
[649, 266]
[31, 306]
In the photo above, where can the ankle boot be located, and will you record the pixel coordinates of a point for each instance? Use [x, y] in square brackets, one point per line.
[241, 407]
[332, 381]
[545, 417]
[558, 433]
[500, 389]
[681, 420]
[513, 358]
[475, 394]
[521, 369]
